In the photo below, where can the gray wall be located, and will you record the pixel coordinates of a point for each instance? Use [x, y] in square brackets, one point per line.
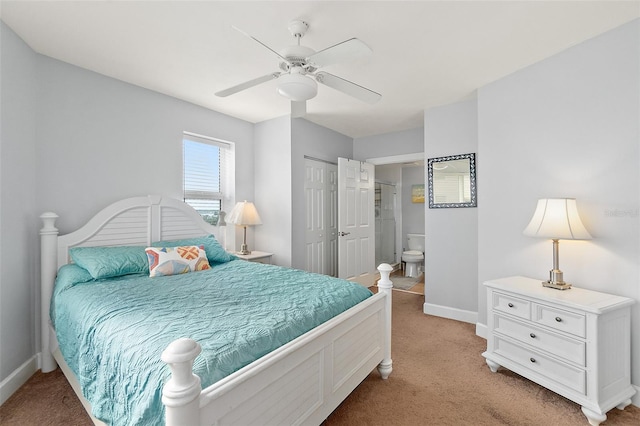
[451, 253]
[273, 189]
[18, 213]
[566, 127]
[135, 134]
[389, 144]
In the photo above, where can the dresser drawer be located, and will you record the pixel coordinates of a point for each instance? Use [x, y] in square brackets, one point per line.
[561, 373]
[512, 305]
[568, 349]
[559, 319]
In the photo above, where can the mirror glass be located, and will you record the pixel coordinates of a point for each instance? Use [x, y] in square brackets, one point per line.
[452, 181]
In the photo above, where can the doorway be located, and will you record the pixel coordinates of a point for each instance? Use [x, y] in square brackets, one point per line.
[404, 172]
[385, 219]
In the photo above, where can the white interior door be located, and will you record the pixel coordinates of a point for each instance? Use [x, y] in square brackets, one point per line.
[321, 220]
[356, 226]
[315, 223]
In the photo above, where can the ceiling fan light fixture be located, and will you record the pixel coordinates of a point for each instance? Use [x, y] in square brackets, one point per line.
[297, 87]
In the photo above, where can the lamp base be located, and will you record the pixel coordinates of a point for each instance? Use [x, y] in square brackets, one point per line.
[558, 286]
[244, 250]
[556, 281]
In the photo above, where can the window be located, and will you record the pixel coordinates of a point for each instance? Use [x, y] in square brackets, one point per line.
[206, 170]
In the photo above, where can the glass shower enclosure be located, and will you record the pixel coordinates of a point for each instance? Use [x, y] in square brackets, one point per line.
[385, 206]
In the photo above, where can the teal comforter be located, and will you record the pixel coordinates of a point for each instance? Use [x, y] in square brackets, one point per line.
[112, 331]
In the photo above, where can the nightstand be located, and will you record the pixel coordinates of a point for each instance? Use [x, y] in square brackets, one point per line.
[574, 342]
[256, 256]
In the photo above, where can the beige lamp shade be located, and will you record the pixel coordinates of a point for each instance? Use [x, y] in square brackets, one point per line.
[244, 213]
[557, 218]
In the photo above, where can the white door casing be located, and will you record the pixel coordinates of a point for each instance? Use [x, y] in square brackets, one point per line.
[356, 225]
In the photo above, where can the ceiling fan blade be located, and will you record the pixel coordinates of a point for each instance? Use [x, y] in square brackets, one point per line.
[341, 52]
[247, 84]
[298, 109]
[348, 87]
[255, 39]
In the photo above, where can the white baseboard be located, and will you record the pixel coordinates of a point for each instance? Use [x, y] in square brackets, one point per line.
[481, 330]
[18, 378]
[635, 399]
[451, 313]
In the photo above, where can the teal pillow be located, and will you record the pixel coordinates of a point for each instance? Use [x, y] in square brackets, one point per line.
[215, 252]
[107, 262]
[68, 276]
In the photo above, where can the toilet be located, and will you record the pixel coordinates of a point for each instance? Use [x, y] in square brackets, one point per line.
[414, 256]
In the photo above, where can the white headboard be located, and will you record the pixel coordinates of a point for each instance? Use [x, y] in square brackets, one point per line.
[129, 222]
[136, 221]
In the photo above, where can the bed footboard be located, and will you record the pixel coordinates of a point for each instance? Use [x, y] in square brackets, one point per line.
[301, 382]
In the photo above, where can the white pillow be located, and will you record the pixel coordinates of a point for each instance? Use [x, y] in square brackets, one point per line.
[176, 260]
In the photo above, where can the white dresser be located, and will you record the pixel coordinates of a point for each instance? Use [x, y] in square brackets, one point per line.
[574, 342]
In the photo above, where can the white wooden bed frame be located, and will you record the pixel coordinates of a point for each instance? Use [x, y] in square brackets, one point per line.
[301, 382]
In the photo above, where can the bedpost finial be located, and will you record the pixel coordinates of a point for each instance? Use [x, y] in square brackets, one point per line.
[181, 350]
[385, 270]
[180, 393]
[49, 221]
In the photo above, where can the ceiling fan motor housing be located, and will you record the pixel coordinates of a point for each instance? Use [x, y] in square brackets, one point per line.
[297, 57]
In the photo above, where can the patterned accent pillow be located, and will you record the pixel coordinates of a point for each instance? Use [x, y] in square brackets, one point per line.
[176, 260]
[215, 252]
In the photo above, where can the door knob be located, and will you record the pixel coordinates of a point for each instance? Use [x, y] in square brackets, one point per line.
[342, 234]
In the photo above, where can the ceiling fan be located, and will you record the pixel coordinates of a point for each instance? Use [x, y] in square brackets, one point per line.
[299, 70]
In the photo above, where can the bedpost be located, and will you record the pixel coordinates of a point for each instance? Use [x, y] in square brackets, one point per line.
[48, 270]
[180, 394]
[384, 286]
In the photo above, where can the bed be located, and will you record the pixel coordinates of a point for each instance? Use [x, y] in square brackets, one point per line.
[301, 379]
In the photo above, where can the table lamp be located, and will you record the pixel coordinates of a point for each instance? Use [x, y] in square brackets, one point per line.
[244, 214]
[557, 219]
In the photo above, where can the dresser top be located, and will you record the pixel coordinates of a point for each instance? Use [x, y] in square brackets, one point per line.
[579, 298]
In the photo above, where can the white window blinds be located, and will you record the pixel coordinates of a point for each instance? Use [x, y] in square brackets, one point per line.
[204, 164]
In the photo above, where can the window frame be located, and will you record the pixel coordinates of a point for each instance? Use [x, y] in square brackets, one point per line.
[226, 162]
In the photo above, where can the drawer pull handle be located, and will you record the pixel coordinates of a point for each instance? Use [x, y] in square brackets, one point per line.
[533, 336]
[510, 305]
[532, 359]
[558, 319]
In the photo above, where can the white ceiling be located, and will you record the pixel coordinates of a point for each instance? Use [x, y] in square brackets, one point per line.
[425, 53]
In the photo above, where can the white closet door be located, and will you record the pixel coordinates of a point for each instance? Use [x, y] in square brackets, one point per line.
[315, 227]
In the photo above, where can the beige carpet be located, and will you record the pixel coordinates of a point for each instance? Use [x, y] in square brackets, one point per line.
[439, 378]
